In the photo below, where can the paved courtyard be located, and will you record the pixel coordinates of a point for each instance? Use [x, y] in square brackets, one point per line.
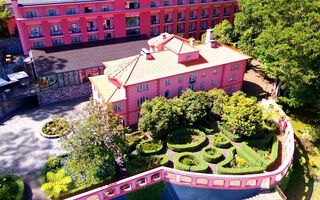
[22, 150]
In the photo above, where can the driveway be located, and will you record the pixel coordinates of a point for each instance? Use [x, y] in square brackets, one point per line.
[22, 150]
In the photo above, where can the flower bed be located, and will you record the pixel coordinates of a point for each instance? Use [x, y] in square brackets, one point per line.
[55, 128]
[149, 147]
[11, 187]
[186, 139]
[136, 164]
[212, 154]
[221, 141]
[188, 161]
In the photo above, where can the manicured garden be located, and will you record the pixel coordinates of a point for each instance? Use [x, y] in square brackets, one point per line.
[11, 187]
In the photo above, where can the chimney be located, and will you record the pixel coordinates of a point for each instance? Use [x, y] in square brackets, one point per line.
[147, 53]
[164, 36]
[192, 42]
[213, 44]
[209, 35]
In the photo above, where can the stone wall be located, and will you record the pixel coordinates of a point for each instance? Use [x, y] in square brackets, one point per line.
[9, 106]
[63, 94]
[11, 46]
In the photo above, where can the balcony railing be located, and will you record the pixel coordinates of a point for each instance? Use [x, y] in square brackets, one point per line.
[193, 17]
[180, 31]
[155, 22]
[108, 27]
[35, 35]
[204, 16]
[92, 29]
[192, 80]
[203, 28]
[181, 19]
[55, 33]
[191, 29]
[73, 31]
[168, 21]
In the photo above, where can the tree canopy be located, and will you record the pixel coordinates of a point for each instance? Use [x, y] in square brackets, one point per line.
[219, 99]
[223, 32]
[4, 16]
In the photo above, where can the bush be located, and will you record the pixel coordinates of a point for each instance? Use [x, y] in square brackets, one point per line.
[269, 125]
[221, 141]
[186, 139]
[149, 147]
[206, 130]
[231, 136]
[132, 140]
[11, 187]
[212, 154]
[56, 127]
[136, 164]
[188, 161]
[53, 164]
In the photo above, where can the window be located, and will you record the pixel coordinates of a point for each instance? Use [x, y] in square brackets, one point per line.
[232, 77]
[166, 3]
[191, 86]
[168, 81]
[76, 39]
[191, 1]
[35, 30]
[180, 79]
[105, 8]
[167, 93]
[56, 42]
[179, 2]
[203, 74]
[234, 66]
[230, 90]
[153, 4]
[215, 70]
[214, 82]
[107, 36]
[51, 12]
[71, 11]
[92, 37]
[133, 21]
[188, 58]
[141, 100]
[88, 10]
[166, 29]
[38, 44]
[132, 4]
[192, 77]
[143, 87]
[202, 85]
[180, 90]
[117, 107]
[31, 14]
[74, 28]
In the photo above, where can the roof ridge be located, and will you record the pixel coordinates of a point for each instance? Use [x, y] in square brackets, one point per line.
[120, 68]
[138, 57]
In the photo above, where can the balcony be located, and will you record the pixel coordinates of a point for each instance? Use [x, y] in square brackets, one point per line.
[55, 33]
[75, 30]
[180, 31]
[204, 17]
[204, 28]
[226, 14]
[92, 29]
[192, 80]
[181, 19]
[168, 20]
[193, 17]
[192, 29]
[215, 15]
[166, 3]
[105, 27]
[35, 35]
[155, 22]
[154, 33]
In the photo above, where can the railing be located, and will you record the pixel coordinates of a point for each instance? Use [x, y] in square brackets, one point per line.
[199, 180]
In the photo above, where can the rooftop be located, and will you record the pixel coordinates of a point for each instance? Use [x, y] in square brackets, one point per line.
[137, 69]
[84, 55]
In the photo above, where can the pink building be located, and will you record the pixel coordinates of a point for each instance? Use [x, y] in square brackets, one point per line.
[44, 23]
[172, 65]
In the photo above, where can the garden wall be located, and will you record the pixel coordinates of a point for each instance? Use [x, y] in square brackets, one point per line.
[63, 94]
[9, 106]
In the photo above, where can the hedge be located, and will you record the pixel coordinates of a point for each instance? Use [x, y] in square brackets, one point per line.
[271, 128]
[133, 139]
[19, 182]
[141, 151]
[203, 165]
[206, 130]
[45, 169]
[225, 144]
[225, 170]
[212, 158]
[186, 147]
[132, 169]
[231, 136]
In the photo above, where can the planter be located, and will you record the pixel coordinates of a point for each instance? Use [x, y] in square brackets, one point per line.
[55, 129]
[188, 161]
[149, 147]
[212, 154]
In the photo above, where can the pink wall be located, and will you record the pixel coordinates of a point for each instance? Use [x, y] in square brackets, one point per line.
[183, 57]
[117, 13]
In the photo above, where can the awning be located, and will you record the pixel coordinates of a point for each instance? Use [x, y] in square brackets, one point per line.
[18, 75]
[3, 82]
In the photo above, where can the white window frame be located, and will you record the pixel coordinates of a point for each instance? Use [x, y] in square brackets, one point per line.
[117, 107]
[143, 87]
[167, 81]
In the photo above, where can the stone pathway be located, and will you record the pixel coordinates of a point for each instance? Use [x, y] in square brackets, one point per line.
[22, 150]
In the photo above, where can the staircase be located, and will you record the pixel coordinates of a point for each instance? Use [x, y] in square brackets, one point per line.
[266, 195]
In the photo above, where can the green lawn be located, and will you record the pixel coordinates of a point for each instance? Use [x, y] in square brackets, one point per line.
[151, 192]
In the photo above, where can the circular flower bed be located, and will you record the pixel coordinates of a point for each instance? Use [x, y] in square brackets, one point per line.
[188, 161]
[221, 141]
[55, 128]
[149, 147]
[186, 139]
[212, 154]
[11, 187]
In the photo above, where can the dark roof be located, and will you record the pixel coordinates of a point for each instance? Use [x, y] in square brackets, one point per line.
[84, 55]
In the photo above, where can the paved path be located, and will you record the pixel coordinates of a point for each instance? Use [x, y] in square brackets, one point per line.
[22, 150]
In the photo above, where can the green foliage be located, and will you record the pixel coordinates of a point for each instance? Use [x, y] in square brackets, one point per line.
[132, 140]
[188, 161]
[158, 117]
[284, 35]
[98, 139]
[221, 141]
[206, 130]
[285, 181]
[58, 183]
[149, 147]
[136, 164]
[151, 192]
[223, 32]
[57, 126]
[232, 136]
[243, 115]
[4, 17]
[212, 154]
[11, 187]
[219, 99]
[186, 139]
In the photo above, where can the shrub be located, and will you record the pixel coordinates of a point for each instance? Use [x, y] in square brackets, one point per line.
[149, 147]
[219, 99]
[221, 141]
[188, 161]
[132, 140]
[11, 187]
[269, 125]
[186, 139]
[232, 136]
[56, 127]
[53, 164]
[212, 154]
[136, 164]
[206, 130]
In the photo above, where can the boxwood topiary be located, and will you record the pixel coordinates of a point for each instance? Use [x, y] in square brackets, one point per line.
[12, 187]
[206, 130]
[149, 147]
[184, 140]
[212, 154]
[231, 136]
[220, 140]
[136, 164]
[193, 162]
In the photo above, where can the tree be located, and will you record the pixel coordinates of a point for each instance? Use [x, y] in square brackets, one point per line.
[158, 117]
[97, 139]
[223, 32]
[243, 115]
[195, 107]
[219, 99]
[285, 36]
[57, 183]
[4, 16]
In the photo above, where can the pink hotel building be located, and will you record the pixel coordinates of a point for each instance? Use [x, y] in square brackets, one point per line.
[44, 23]
[171, 66]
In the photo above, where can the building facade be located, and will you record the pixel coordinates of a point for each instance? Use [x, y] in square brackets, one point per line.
[172, 65]
[45, 23]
